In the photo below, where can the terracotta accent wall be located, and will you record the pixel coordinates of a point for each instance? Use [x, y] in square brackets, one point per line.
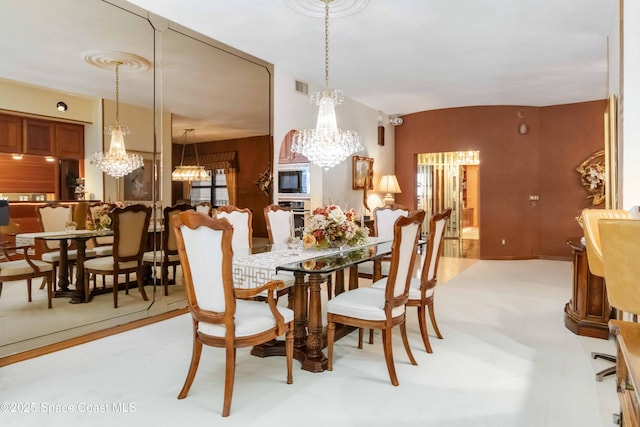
[253, 158]
[512, 167]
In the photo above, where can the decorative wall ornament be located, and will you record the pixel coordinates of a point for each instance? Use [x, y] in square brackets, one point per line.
[593, 177]
[265, 180]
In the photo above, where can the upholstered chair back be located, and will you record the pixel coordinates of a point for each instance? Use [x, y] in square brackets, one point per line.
[54, 217]
[204, 245]
[169, 214]
[590, 218]
[241, 220]
[279, 223]
[403, 254]
[204, 208]
[620, 239]
[130, 228]
[384, 217]
[437, 226]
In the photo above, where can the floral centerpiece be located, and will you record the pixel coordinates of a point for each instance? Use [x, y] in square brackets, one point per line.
[101, 218]
[332, 227]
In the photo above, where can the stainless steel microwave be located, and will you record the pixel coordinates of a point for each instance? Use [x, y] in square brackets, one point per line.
[293, 180]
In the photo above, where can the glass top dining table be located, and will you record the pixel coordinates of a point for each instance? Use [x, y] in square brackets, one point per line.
[258, 265]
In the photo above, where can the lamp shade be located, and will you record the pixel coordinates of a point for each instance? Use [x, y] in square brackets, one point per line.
[389, 185]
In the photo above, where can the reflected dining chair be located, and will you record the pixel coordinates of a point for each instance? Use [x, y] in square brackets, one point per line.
[376, 309]
[222, 314]
[422, 288]
[12, 269]
[103, 246]
[590, 219]
[242, 220]
[167, 256]
[55, 217]
[383, 219]
[130, 228]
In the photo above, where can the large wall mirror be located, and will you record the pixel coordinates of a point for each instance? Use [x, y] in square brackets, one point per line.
[193, 82]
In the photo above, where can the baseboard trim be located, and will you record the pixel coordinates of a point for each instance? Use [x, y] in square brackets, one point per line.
[72, 342]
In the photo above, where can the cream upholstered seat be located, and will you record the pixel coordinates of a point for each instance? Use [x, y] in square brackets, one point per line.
[55, 217]
[422, 288]
[383, 219]
[590, 219]
[130, 227]
[25, 269]
[376, 309]
[167, 256]
[221, 315]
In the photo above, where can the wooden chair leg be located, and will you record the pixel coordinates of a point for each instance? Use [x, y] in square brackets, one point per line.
[55, 276]
[370, 336]
[115, 291]
[388, 355]
[165, 278]
[405, 341]
[193, 368]
[422, 321]
[49, 279]
[139, 279]
[228, 380]
[329, 287]
[331, 334]
[29, 289]
[432, 316]
[126, 283]
[289, 354]
[0, 288]
[360, 334]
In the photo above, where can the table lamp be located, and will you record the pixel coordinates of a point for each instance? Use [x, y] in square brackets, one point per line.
[389, 185]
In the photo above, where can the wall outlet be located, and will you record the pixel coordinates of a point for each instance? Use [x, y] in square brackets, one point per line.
[504, 241]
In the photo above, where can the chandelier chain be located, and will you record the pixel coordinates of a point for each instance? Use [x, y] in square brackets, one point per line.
[326, 44]
[118, 91]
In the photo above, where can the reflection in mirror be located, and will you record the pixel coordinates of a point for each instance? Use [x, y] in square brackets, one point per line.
[222, 93]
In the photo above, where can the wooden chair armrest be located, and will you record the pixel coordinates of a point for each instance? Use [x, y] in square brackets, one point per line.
[25, 255]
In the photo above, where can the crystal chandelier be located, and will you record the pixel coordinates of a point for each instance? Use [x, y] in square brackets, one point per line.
[190, 173]
[116, 162]
[326, 145]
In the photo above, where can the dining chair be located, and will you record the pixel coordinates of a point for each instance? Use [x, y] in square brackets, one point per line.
[590, 219]
[167, 256]
[56, 217]
[372, 308]
[222, 315]
[130, 228]
[383, 219]
[103, 246]
[279, 222]
[242, 220]
[204, 208]
[422, 288]
[12, 269]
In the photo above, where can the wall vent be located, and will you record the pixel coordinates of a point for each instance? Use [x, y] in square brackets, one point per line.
[302, 88]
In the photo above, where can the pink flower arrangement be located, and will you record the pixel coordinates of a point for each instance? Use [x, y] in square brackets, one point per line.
[331, 226]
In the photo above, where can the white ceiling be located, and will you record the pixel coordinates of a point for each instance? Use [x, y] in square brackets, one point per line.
[404, 56]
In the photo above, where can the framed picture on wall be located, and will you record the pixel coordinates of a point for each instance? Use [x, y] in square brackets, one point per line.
[362, 173]
[138, 185]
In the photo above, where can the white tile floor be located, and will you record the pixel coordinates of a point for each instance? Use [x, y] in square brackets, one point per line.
[506, 360]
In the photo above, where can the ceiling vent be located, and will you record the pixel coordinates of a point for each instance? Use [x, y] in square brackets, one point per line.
[302, 88]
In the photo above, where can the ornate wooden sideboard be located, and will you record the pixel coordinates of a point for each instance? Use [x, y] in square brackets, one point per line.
[588, 311]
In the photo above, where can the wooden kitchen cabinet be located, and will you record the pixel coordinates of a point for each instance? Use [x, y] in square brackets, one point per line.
[69, 141]
[10, 134]
[39, 137]
[285, 155]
